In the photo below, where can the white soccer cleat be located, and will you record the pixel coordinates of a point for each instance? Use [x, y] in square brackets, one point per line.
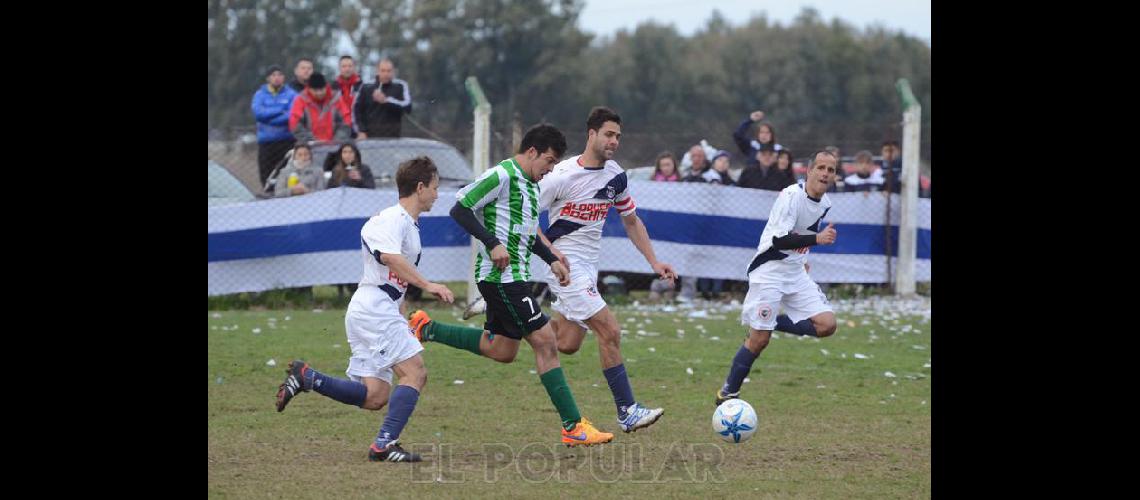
[475, 308]
[637, 417]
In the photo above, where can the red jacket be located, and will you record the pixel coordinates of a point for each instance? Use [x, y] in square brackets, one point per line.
[348, 89]
[326, 120]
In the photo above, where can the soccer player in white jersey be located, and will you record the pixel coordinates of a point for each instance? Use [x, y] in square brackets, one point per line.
[778, 274]
[579, 193]
[500, 209]
[381, 340]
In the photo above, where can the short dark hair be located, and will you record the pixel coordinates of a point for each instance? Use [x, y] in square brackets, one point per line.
[863, 156]
[412, 172]
[301, 60]
[346, 57]
[317, 81]
[542, 137]
[599, 116]
[815, 156]
[892, 143]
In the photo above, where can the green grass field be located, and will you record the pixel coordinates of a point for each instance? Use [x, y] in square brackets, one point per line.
[846, 416]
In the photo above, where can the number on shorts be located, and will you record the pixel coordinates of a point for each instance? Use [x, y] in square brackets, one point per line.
[529, 303]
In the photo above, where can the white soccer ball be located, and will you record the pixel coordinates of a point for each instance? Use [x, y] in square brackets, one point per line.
[735, 421]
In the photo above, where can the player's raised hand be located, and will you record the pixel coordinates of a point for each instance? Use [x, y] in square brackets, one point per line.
[441, 291]
[561, 272]
[756, 115]
[665, 271]
[827, 236]
[499, 257]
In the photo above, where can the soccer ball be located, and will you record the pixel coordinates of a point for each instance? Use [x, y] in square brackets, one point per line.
[735, 421]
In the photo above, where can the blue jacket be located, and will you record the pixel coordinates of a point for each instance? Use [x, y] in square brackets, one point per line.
[272, 113]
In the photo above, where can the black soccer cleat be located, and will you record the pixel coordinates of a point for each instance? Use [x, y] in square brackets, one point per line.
[295, 382]
[722, 397]
[392, 453]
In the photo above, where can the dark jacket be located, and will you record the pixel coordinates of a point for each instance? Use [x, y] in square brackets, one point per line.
[366, 180]
[713, 177]
[773, 180]
[748, 146]
[382, 120]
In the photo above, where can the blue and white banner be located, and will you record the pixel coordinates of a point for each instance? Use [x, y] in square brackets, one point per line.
[701, 229]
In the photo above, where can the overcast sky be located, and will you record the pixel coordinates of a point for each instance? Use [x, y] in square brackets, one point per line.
[606, 17]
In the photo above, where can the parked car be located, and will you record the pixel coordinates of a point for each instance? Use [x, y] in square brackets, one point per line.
[385, 155]
[224, 188]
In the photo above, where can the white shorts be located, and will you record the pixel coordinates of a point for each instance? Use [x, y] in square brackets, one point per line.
[801, 300]
[580, 300]
[378, 335]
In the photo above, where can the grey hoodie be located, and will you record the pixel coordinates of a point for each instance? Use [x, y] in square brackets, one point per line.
[313, 177]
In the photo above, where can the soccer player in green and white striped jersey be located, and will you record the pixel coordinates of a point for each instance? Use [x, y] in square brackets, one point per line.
[500, 209]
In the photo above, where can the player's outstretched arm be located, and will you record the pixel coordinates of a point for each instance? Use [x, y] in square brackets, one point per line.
[408, 272]
[635, 230]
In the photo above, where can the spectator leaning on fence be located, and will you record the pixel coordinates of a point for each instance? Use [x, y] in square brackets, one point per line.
[665, 168]
[867, 176]
[754, 173]
[271, 104]
[765, 134]
[718, 174]
[767, 174]
[301, 74]
[349, 171]
[380, 106]
[782, 176]
[301, 176]
[700, 164]
[319, 114]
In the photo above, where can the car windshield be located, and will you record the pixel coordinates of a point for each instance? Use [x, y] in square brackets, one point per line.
[223, 185]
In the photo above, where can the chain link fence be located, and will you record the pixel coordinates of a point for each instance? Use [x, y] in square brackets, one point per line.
[263, 238]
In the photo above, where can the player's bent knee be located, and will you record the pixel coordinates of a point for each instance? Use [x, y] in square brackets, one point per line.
[756, 342]
[545, 350]
[375, 401]
[504, 357]
[825, 326]
[569, 349]
[827, 330]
